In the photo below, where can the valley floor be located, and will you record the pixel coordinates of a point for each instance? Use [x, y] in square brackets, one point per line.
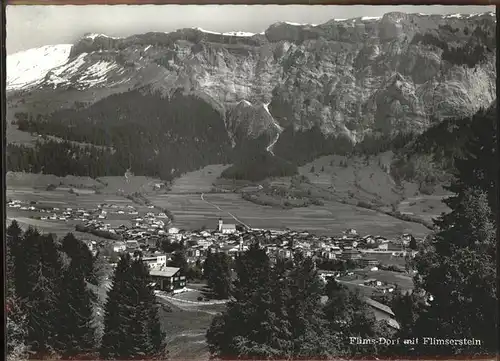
[187, 322]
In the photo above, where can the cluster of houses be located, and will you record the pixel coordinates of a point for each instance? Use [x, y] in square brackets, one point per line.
[20, 205]
[142, 228]
[232, 240]
[102, 212]
[283, 244]
[53, 213]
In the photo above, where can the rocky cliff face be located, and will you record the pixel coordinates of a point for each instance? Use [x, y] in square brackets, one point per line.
[392, 74]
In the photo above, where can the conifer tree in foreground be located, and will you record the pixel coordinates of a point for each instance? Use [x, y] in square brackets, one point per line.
[131, 326]
[348, 315]
[14, 239]
[459, 271]
[17, 348]
[149, 338]
[118, 314]
[16, 318]
[37, 282]
[307, 320]
[76, 330]
[219, 279]
[457, 266]
[251, 327]
[78, 251]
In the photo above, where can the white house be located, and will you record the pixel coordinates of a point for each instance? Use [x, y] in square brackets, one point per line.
[226, 228]
[351, 232]
[155, 262]
[173, 230]
[119, 247]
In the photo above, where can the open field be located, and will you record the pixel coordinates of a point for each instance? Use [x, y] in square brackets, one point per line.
[16, 180]
[395, 278]
[192, 212]
[387, 258]
[185, 332]
[129, 184]
[198, 181]
[427, 207]
[104, 185]
[340, 187]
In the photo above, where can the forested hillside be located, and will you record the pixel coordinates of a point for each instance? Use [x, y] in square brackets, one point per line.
[430, 157]
[150, 134]
[260, 166]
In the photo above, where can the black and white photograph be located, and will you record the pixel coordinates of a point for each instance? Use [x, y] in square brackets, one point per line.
[251, 182]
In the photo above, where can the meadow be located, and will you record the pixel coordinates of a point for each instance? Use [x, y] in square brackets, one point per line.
[201, 180]
[192, 212]
[403, 281]
[339, 186]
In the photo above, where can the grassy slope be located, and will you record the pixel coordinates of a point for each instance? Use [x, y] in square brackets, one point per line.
[198, 181]
[365, 182]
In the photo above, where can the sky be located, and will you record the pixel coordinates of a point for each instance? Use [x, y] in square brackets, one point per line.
[35, 26]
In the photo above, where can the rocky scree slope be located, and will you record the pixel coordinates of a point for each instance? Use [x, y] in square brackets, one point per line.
[344, 78]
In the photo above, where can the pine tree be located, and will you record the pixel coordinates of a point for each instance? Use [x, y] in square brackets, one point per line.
[219, 279]
[77, 250]
[37, 280]
[16, 318]
[179, 260]
[118, 314]
[250, 327]
[281, 296]
[407, 308]
[132, 327]
[305, 312]
[16, 348]
[348, 316]
[456, 265]
[413, 244]
[148, 338]
[76, 330]
[477, 167]
[207, 265]
[14, 239]
[458, 270]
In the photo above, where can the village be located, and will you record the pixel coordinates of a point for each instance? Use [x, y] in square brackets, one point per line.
[336, 256]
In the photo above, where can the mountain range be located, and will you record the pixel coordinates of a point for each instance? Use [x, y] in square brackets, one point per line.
[337, 82]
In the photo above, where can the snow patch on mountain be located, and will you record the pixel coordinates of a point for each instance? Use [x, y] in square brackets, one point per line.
[82, 73]
[238, 33]
[92, 36]
[29, 67]
[97, 74]
[298, 24]
[230, 33]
